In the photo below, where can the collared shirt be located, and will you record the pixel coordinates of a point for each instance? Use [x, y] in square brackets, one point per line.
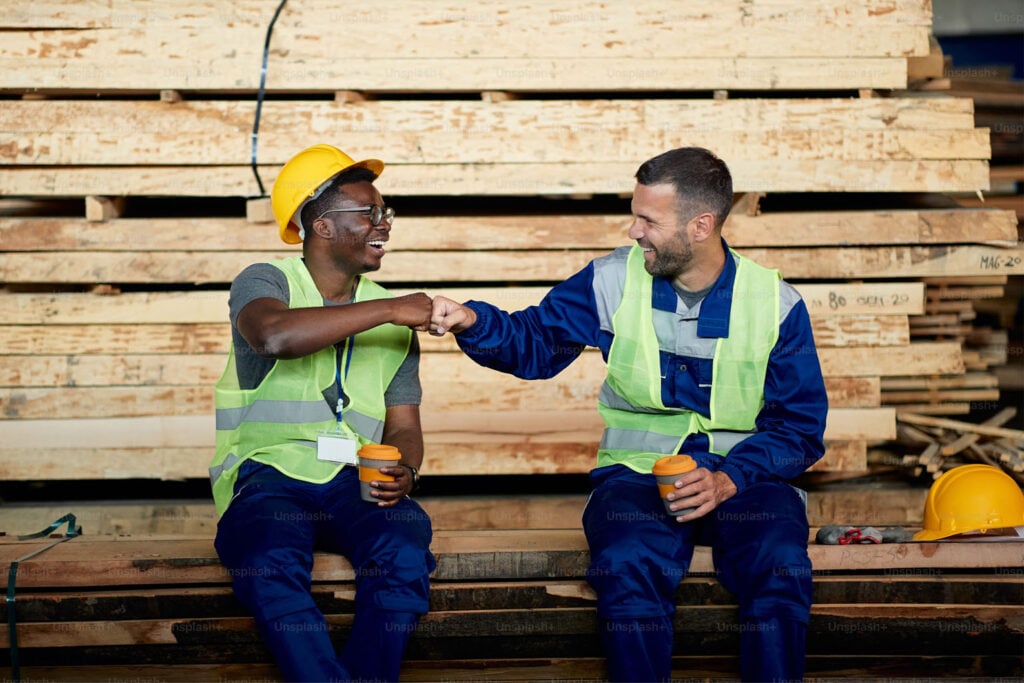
[540, 341]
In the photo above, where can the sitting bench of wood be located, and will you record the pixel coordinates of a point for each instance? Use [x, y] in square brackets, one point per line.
[508, 604]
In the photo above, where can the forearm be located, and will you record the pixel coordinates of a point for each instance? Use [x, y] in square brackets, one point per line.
[519, 343]
[402, 430]
[297, 332]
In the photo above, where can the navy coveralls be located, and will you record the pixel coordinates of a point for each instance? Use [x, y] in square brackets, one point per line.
[638, 556]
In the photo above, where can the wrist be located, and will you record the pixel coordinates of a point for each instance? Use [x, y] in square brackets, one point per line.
[414, 472]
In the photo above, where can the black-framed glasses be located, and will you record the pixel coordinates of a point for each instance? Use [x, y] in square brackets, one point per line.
[377, 213]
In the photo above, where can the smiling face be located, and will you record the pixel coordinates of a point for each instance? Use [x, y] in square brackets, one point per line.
[657, 228]
[356, 245]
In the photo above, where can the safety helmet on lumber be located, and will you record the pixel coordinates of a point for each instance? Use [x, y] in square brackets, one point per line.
[971, 498]
[304, 177]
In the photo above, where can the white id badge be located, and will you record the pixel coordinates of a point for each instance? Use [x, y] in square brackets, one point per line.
[336, 447]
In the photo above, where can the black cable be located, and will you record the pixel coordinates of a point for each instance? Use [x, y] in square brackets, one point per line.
[259, 97]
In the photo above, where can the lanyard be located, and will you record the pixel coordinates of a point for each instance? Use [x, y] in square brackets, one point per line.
[346, 353]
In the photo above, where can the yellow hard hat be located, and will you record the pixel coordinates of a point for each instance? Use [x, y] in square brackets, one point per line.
[971, 498]
[304, 177]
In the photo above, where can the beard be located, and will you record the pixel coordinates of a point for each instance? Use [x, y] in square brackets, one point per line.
[671, 260]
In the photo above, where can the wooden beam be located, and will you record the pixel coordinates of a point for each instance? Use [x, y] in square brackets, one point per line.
[829, 331]
[970, 427]
[501, 179]
[218, 133]
[461, 555]
[109, 267]
[210, 306]
[784, 229]
[445, 455]
[584, 375]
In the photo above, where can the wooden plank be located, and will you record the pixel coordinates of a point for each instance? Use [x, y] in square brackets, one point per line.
[969, 380]
[210, 306]
[843, 456]
[73, 133]
[478, 233]
[146, 603]
[956, 425]
[445, 454]
[439, 120]
[706, 666]
[925, 358]
[709, 667]
[521, 430]
[457, 267]
[998, 625]
[492, 30]
[197, 13]
[213, 338]
[526, 179]
[940, 396]
[461, 555]
[57, 14]
[226, 74]
[852, 505]
[116, 339]
[482, 389]
[585, 373]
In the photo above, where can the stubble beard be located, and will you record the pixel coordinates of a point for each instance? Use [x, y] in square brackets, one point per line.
[670, 264]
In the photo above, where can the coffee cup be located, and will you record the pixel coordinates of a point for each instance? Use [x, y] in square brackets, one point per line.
[372, 457]
[667, 470]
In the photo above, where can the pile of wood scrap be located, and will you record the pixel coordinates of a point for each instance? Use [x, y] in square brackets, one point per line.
[950, 443]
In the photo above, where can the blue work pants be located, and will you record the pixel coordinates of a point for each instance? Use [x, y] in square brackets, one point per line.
[266, 539]
[639, 555]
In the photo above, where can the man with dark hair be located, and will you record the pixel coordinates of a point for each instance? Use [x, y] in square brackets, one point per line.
[323, 360]
[708, 354]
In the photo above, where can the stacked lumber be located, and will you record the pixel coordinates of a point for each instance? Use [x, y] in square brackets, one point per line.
[999, 106]
[950, 315]
[509, 605]
[951, 443]
[511, 134]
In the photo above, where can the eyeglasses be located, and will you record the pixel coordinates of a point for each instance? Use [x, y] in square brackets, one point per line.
[377, 213]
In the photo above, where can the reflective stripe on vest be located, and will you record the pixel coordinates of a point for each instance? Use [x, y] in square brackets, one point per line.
[277, 422]
[639, 428]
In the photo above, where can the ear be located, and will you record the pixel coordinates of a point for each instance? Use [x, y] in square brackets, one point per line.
[703, 227]
[323, 229]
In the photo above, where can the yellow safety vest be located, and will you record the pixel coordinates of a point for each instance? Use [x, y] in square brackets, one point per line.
[277, 422]
[639, 428]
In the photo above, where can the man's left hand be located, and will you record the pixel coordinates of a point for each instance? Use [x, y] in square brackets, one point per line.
[390, 492]
[702, 490]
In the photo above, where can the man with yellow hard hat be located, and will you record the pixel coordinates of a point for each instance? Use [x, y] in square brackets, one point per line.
[322, 362]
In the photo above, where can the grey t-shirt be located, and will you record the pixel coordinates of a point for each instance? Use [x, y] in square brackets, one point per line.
[262, 280]
[689, 298]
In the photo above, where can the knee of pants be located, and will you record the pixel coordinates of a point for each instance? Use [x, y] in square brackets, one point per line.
[270, 578]
[395, 574]
[272, 589]
[778, 584]
[632, 581]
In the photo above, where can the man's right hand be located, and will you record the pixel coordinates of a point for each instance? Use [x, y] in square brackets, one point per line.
[412, 310]
[450, 316]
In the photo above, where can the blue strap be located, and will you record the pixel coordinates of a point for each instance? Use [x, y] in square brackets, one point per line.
[12, 578]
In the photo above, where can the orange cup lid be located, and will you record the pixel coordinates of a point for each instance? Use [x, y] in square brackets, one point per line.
[674, 464]
[379, 451]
